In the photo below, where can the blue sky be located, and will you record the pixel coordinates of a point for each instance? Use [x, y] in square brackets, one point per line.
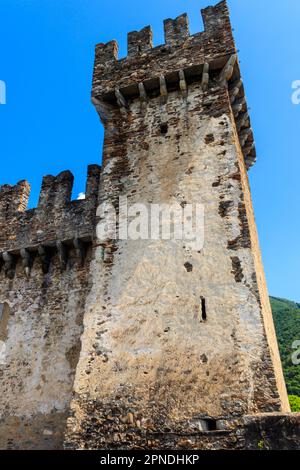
[48, 124]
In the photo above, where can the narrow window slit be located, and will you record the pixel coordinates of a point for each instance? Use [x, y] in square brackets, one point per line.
[203, 309]
[164, 128]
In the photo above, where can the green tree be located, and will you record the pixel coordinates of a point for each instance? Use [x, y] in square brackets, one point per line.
[295, 403]
[286, 316]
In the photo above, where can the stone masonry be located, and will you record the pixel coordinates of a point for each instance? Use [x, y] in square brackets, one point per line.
[147, 343]
[45, 257]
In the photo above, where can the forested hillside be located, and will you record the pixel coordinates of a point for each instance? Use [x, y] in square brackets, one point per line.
[287, 323]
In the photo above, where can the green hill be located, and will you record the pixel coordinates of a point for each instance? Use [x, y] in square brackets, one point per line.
[287, 323]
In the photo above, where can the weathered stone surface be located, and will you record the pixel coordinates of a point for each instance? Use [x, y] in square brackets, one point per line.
[45, 298]
[150, 317]
[172, 346]
[56, 218]
[268, 431]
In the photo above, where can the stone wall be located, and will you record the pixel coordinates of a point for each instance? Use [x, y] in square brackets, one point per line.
[260, 432]
[45, 255]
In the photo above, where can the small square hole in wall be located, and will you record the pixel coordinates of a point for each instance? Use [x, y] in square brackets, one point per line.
[211, 424]
[208, 424]
[164, 128]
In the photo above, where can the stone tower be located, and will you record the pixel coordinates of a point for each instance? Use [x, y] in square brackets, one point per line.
[175, 340]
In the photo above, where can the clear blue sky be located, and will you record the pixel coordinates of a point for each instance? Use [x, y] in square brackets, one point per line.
[49, 125]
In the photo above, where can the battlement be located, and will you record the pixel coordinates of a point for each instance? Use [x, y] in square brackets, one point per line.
[214, 42]
[216, 22]
[57, 223]
[14, 198]
[181, 51]
[208, 57]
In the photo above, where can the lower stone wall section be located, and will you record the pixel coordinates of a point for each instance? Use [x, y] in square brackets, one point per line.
[274, 431]
[39, 349]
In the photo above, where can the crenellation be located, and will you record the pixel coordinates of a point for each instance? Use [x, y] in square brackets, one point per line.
[217, 18]
[13, 199]
[56, 191]
[217, 29]
[93, 181]
[146, 62]
[176, 31]
[208, 57]
[106, 54]
[140, 42]
[53, 225]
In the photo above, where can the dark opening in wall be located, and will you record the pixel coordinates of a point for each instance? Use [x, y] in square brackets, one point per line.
[209, 139]
[4, 317]
[211, 424]
[164, 128]
[188, 266]
[203, 309]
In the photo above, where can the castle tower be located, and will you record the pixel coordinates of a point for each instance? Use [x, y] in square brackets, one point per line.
[176, 339]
